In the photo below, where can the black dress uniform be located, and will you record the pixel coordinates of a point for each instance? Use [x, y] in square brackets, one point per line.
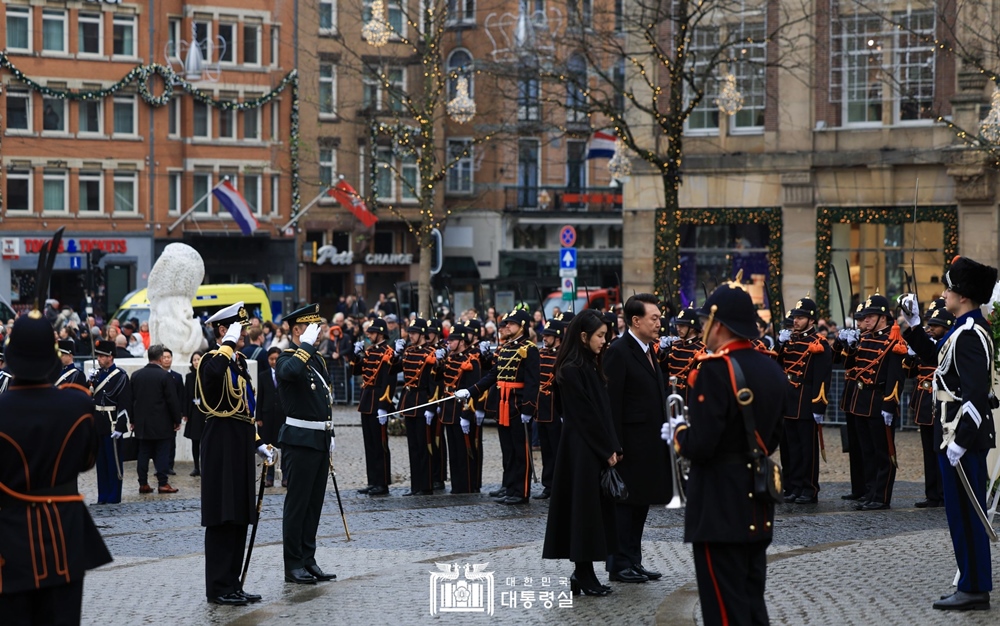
[874, 387]
[70, 374]
[417, 364]
[48, 437]
[195, 426]
[845, 353]
[679, 359]
[478, 404]
[112, 393]
[374, 365]
[225, 393]
[549, 418]
[514, 383]
[808, 363]
[457, 371]
[305, 439]
[439, 448]
[730, 529]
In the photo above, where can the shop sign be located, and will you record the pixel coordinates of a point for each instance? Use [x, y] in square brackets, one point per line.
[11, 247]
[329, 254]
[78, 246]
[389, 259]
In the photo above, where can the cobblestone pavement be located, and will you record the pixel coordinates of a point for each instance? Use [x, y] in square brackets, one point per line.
[830, 564]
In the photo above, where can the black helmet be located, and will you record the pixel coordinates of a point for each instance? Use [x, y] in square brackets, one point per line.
[733, 306]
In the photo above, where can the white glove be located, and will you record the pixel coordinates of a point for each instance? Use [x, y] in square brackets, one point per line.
[462, 394]
[669, 427]
[955, 453]
[265, 454]
[784, 335]
[480, 416]
[910, 352]
[383, 416]
[887, 418]
[525, 418]
[818, 417]
[400, 344]
[233, 333]
[359, 347]
[429, 416]
[439, 353]
[848, 336]
[911, 310]
[464, 423]
[484, 347]
[667, 341]
[333, 445]
[310, 334]
[116, 435]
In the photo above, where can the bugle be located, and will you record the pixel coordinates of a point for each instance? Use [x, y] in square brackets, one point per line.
[676, 409]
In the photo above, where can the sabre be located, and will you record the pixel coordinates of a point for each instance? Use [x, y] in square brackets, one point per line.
[414, 408]
[822, 444]
[531, 455]
[256, 521]
[340, 504]
[892, 446]
[850, 288]
[913, 246]
[975, 502]
[840, 294]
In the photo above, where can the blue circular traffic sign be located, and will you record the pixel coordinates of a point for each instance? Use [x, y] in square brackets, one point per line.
[567, 236]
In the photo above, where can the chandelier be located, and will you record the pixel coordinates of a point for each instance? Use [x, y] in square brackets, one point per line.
[620, 165]
[377, 31]
[730, 100]
[990, 130]
[462, 108]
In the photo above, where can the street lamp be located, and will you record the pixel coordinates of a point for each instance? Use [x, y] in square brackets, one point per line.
[462, 108]
[376, 31]
[730, 100]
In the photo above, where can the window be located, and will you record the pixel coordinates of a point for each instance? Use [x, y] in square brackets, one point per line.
[91, 116]
[619, 15]
[19, 29]
[275, 189]
[18, 195]
[125, 121]
[704, 118]
[275, 112]
[576, 85]
[327, 16]
[327, 166]
[581, 13]
[527, 173]
[327, 89]
[53, 30]
[18, 110]
[723, 249]
[461, 11]
[915, 64]
[385, 174]
[173, 37]
[202, 119]
[91, 193]
[203, 35]
[227, 124]
[89, 28]
[202, 186]
[251, 124]
[393, 16]
[125, 192]
[576, 166]
[275, 44]
[251, 192]
[54, 114]
[618, 78]
[410, 175]
[858, 44]
[748, 66]
[174, 117]
[528, 109]
[124, 36]
[460, 64]
[385, 90]
[251, 44]
[227, 47]
[174, 189]
[54, 190]
[460, 173]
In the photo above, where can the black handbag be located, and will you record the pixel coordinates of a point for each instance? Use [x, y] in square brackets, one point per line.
[612, 485]
[129, 449]
[766, 473]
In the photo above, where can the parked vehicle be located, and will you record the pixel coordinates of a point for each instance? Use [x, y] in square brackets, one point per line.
[210, 299]
[602, 298]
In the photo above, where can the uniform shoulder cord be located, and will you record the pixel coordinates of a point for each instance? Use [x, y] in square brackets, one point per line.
[231, 390]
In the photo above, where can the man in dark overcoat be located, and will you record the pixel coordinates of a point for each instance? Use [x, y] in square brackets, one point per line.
[638, 409]
[157, 416]
[269, 416]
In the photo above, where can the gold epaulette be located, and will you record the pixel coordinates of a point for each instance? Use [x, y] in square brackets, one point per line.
[302, 355]
[226, 350]
[522, 351]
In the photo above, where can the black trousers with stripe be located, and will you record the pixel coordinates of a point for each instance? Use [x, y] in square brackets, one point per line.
[880, 473]
[802, 470]
[731, 579]
[377, 457]
[517, 455]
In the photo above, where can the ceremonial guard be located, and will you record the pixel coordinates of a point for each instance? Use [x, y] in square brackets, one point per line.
[225, 394]
[844, 351]
[48, 438]
[478, 405]
[872, 395]
[70, 373]
[433, 339]
[678, 353]
[514, 383]
[113, 401]
[307, 443]
[416, 361]
[548, 419]
[458, 370]
[938, 321]
[808, 363]
[5, 376]
[374, 365]
[965, 404]
[731, 403]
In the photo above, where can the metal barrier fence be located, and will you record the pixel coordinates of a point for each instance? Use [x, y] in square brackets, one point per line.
[835, 416]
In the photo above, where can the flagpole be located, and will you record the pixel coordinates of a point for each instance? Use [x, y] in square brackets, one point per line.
[185, 215]
[303, 211]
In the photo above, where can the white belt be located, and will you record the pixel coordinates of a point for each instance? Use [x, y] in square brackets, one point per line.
[293, 421]
[943, 396]
[106, 408]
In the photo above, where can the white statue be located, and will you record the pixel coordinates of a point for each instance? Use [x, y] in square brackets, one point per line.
[173, 284]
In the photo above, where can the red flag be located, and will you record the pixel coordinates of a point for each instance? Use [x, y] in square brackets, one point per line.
[348, 198]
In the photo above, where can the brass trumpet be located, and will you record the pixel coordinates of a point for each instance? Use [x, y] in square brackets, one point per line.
[675, 409]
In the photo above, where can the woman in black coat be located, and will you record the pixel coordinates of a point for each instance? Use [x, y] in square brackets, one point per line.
[195, 418]
[581, 524]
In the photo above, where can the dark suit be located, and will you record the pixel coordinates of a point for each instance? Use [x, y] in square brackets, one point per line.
[157, 411]
[270, 419]
[181, 395]
[638, 410]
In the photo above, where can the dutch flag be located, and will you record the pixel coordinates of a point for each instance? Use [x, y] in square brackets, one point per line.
[602, 146]
[237, 206]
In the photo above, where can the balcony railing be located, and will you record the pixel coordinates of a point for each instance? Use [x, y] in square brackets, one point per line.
[550, 199]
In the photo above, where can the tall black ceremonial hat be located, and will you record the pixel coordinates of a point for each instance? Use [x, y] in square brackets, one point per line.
[66, 346]
[378, 325]
[309, 314]
[971, 279]
[104, 347]
[30, 351]
[732, 305]
[805, 307]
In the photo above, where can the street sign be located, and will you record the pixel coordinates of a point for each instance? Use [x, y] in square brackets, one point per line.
[567, 273]
[76, 262]
[567, 236]
[567, 259]
[568, 289]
